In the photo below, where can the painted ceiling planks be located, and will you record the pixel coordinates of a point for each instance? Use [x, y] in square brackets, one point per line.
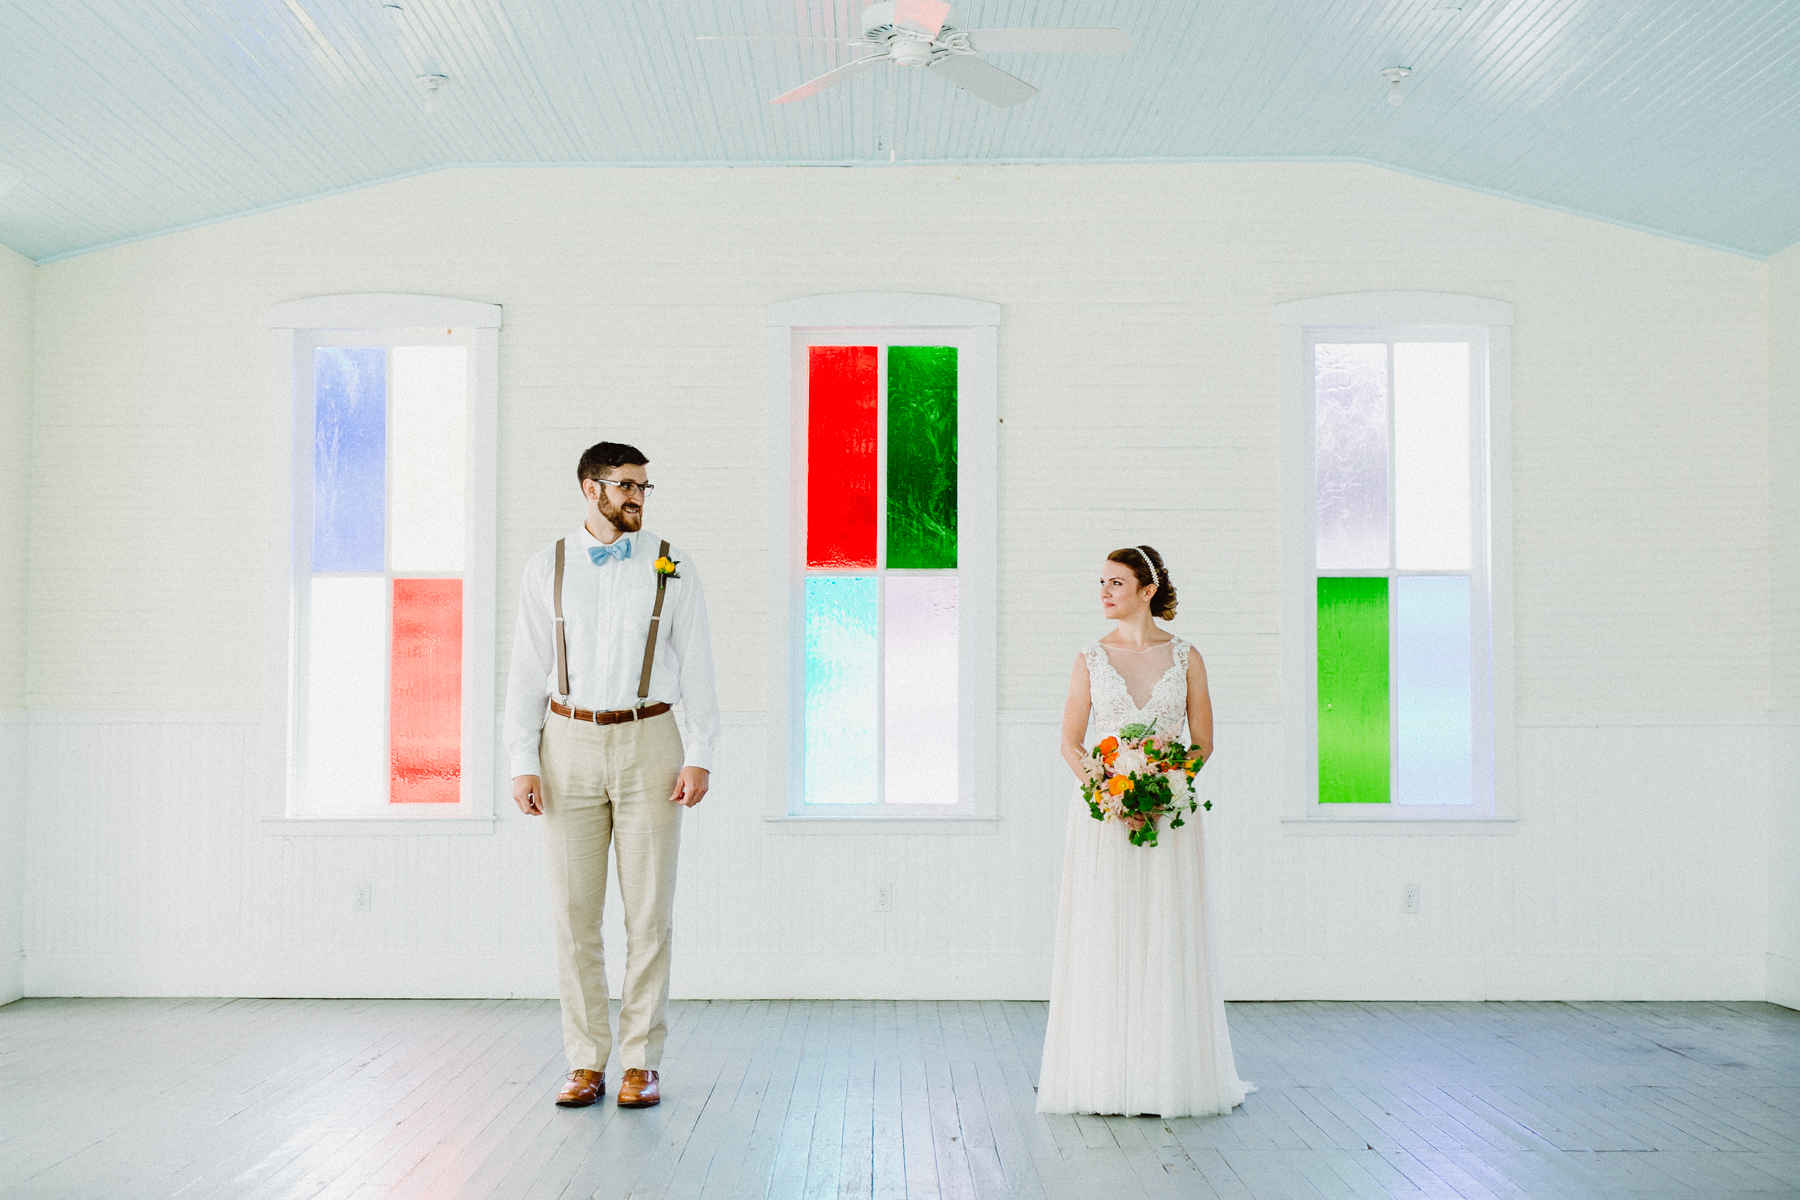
[123, 119]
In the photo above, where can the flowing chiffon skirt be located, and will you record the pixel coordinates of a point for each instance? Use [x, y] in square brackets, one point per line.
[1137, 1019]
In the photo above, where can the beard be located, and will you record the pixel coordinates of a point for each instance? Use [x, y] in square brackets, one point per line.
[626, 518]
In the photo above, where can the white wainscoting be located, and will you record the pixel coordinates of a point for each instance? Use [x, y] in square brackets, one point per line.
[1783, 859]
[1639, 871]
[12, 854]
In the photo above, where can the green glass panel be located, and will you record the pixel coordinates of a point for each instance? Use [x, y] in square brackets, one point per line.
[921, 456]
[1354, 760]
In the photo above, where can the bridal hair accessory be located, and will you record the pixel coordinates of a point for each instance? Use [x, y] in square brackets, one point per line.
[1155, 579]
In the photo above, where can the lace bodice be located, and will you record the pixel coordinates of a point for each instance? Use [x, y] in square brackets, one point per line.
[1113, 708]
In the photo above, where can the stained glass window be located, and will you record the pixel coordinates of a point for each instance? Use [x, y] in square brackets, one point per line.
[1392, 553]
[383, 613]
[881, 586]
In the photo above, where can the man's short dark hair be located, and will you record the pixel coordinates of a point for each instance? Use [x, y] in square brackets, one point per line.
[598, 460]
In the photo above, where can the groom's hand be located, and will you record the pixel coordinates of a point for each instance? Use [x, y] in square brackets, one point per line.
[690, 786]
[528, 794]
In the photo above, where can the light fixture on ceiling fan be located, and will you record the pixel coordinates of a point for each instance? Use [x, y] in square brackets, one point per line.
[918, 33]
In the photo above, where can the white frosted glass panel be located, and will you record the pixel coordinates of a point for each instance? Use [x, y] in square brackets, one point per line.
[1432, 762]
[1431, 456]
[919, 720]
[426, 444]
[1350, 463]
[842, 709]
[345, 769]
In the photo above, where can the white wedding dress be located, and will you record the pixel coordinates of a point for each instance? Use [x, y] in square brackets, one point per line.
[1137, 1020]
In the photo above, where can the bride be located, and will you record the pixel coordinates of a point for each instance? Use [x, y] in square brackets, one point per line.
[1137, 1021]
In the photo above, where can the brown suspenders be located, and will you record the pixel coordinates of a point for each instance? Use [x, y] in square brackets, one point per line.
[662, 586]
[562, 643]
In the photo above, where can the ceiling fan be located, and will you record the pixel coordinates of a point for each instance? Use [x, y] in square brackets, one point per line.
[918, 33]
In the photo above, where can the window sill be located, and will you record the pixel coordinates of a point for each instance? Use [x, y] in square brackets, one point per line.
[839, 826]
[377, 826]
[1335, 826]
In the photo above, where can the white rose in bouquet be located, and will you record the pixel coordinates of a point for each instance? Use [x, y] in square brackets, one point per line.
[1130, 761]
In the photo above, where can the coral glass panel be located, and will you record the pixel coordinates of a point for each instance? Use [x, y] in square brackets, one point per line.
[425, 693]
[841, 429]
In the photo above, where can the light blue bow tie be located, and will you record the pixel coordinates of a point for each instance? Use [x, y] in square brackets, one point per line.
[620, 549]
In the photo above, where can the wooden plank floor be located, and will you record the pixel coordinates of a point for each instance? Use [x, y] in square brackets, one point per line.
[450, 1100]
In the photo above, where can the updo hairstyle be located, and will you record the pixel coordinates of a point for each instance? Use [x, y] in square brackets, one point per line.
[1162, 604]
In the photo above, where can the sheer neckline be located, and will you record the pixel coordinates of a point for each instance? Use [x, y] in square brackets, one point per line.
[1124, 686]
[1106, 645]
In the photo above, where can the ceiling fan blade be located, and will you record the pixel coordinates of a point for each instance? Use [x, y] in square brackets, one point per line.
[1049, 41]
[922, 16]
[824, 41]
[813, 87]
[985, 80]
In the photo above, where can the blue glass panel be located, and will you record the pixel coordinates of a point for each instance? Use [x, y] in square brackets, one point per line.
[842, 710]
[349, 501]
[1431, 689]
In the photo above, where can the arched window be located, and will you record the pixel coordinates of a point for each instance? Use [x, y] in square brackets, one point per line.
[882, 547]
[384, 642]
[1397, 572]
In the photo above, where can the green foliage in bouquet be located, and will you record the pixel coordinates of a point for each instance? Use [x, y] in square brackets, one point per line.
[1142, 788]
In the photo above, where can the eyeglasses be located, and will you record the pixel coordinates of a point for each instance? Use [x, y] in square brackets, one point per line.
[629, 488]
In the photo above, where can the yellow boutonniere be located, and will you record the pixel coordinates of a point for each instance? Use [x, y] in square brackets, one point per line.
[666, 567]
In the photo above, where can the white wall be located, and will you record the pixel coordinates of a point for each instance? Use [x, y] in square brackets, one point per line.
[1784, 454]
[1138, 345]
[16, 273]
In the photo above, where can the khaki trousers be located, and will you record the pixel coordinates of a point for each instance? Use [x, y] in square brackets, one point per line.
[610, 784]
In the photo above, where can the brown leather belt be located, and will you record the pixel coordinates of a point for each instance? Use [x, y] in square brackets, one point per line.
[615, 717]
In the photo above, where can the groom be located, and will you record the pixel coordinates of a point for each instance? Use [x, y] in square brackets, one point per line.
[611, 633]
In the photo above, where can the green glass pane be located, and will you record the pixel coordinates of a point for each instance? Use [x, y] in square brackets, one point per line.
[1353, 691]
[921, 457]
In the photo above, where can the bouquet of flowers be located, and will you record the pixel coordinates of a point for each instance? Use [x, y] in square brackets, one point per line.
[1143, 777]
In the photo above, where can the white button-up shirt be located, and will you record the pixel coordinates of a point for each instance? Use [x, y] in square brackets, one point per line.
[606, 619]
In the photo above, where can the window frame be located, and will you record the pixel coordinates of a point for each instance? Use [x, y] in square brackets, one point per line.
[885, 319]
[296, 329]
[1402, 316]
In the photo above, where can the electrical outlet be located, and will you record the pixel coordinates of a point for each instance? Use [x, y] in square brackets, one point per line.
[884, 898]
[365, 897]
[1409, 898]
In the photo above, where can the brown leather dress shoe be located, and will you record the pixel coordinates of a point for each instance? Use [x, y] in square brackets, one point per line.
[582, 1089]
[641, 1089]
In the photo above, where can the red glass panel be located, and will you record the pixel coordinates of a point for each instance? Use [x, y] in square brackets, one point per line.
[841, 412]
[425, 703]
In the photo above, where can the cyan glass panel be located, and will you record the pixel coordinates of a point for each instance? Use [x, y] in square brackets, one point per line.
[1433, 764]
[349, 501]
[920, 727]
[843, 752]
[1350, 456]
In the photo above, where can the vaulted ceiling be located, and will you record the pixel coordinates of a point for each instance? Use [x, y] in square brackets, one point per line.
[124, 118]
